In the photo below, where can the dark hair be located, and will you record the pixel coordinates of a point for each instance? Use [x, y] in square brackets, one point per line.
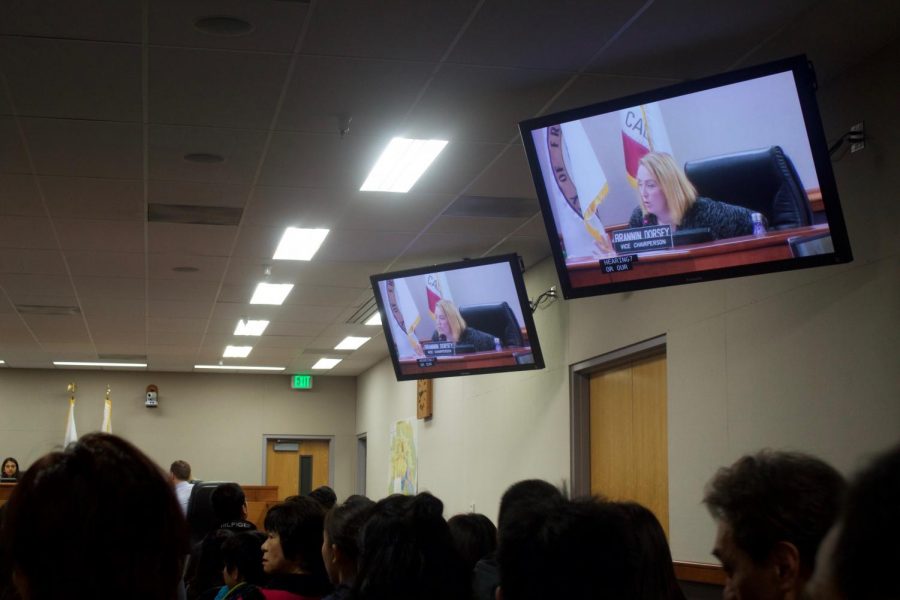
[655, 572]
[580, 549]
[528, 493]
[406, 553]
[108, 512]
[344, 522]
[181, 470]
[228, 502]
[325, 496]
[299, 523]
[206, 563]
[3, 466]
[243, 551]
[769, 497]
[474, 537]
[866, 551]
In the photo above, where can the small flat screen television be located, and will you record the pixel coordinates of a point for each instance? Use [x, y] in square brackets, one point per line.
[719, 177]
[462, 318]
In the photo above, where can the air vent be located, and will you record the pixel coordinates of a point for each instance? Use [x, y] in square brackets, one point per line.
[364, 312]
[44, 309]
[194, 215]
[492, 206]
[124, 357]
[223, 26]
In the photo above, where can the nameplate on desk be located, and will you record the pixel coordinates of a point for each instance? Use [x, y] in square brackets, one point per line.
[618, 263]
[439, 348]
[642, 239]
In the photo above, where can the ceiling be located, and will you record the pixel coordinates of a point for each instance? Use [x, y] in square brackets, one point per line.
[101, 100]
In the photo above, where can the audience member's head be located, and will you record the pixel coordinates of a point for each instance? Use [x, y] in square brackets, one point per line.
[579, 549]
[325, 496]
[206, 564]
[772, 510]
[10, 468]
[294, 542]
[242, 558]
[97, 520]
[229, 503]
[406, 553]
[340, 546]
[857, 558]
[526, 494]
[180, 470]
[655, 572]
[474, 537]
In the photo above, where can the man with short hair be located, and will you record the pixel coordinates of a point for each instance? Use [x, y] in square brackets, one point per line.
[772, 510]
[180, 473]
[230, 507]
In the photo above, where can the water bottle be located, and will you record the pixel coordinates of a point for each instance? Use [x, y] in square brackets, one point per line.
[497, 344]
[758, 227]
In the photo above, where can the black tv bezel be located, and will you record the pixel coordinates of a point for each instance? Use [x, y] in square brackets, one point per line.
[515, 269]
[804, 78]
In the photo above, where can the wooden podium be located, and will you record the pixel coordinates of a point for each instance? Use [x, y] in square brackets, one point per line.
[259, 499]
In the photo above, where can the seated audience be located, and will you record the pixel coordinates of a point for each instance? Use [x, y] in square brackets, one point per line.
[204, 573]
[97, 520]
[242, 570]
[230, 507]
[292, 552]
[857, 559]
[10, 470]
[407, 553]
[772, 511]
[474, 537]
[325, 496]
[570, 549]
[655, 572]
[180, 472]
[340, 544]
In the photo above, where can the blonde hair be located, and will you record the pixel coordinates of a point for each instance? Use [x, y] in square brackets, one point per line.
[680, 193]
[454, 318]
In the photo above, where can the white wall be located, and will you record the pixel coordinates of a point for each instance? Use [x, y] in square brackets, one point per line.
[804, 360]
[214, 421]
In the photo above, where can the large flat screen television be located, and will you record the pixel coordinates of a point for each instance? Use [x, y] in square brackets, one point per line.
[462, 318]
[718, 177]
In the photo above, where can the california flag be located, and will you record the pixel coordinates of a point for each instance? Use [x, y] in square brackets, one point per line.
[436, 288]
[643, 131]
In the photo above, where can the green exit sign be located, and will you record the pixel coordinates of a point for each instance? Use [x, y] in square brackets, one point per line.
[301, 382]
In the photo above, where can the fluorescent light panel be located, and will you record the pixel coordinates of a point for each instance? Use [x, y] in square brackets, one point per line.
[247, 327]
[65, 363]
[299, 244]
[238, 368]
[271, 293]
[351, 343]
[326, 363]
[237, 351]
[374, 319]
[401, 164]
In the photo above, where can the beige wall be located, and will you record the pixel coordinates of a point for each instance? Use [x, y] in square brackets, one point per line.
[214, 421]
[804, 360]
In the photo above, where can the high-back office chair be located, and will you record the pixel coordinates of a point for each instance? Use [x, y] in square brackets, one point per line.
[497, 319]
[762, 180]
[201, 517]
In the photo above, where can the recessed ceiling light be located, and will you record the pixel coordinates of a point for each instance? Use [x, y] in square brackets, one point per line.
[222, 25]
[238, 368]
[299, 244]
[204, 157]
[326, 363]
[374, 319]
[351, 343]
[271, 293]
[245, 327]
[401, 164]
[63, 363]
[237, 351]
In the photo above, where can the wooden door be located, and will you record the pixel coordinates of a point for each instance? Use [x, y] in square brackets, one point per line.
[629, 435]
[292, 469]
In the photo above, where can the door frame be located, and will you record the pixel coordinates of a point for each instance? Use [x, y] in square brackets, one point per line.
[362, 457]
[294, 437]
[580, 404]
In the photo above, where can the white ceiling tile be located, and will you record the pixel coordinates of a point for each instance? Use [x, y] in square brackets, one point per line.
[457, 167]
[105, 263]
[290, 342]
[507, 177]
[532, 249]
[196, 240]
[110, 288]
[104, 328]
[100, 236]
[215, 88]
[434, 247]
[128, 350]
[320, 160]
[84, 148]
[186, 310]
[38, 262]
[197, 194]
[12, 153]
[183, 290]
[115, 308]
[89, 198]
[209, 268]
[27, 233]
[41, 73]
[168, 145]
[185, 339]
[19, 284]
[381, 211]
[361, 245]
[489, 226]
[54, 328]
[161, 324]
[19, 196]
[258, 242]
[304, 330]
[592, 88]
[322, 295]
[70, 350]
[110, 20]
[296, 207]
